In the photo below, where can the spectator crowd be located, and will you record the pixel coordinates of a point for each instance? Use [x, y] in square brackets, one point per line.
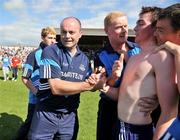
[10, 56]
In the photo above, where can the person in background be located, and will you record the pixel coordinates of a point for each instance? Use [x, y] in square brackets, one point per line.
[30, 78]
[6, 66]
[15, 63]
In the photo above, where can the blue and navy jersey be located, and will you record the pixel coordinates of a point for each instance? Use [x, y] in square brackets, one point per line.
[31, 70]
[57, 62]
[106, 56]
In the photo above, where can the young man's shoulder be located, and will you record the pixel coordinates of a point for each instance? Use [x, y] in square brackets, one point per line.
[162, 59]
[51, 47]
[51, 50]
[163, 54]
[31, 54]
[34, 51]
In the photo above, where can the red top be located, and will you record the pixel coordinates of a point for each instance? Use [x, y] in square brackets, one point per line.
[15, 61]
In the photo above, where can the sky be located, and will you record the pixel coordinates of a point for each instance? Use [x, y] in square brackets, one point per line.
[21, 21]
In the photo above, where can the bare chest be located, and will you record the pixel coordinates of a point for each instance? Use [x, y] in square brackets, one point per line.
[139, 67]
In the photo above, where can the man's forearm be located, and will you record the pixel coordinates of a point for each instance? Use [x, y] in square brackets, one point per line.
[29, 85]
[162, 126]
[111, 92]
[112, 80]
[61, 87]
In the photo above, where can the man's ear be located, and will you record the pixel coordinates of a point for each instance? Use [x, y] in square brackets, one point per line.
[105, 30]
[81, 33]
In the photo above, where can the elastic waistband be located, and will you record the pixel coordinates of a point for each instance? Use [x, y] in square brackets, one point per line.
[60, 111]
[136, 128]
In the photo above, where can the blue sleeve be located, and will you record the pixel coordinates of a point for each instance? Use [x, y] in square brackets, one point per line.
[28, 66]
[135, 49]
[50, 66]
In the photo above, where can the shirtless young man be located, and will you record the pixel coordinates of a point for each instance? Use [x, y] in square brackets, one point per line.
[145, 75]
[168, 36]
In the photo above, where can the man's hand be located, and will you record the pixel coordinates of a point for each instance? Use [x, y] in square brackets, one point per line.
[118, 66]
[105, 88]
[148, 104]
[97, 79]
[35, 90]
[171, 47]
[116, 70]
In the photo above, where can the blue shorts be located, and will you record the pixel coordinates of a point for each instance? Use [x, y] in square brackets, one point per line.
[173, 132]
[46, 124]
[134, 132]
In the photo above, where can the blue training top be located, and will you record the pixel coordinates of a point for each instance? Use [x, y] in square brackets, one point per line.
[58, 63]
[106, 56]
[31, 70]
[6, 62]
[173, 132]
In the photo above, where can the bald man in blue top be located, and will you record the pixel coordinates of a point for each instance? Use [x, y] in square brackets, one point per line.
[63, 72]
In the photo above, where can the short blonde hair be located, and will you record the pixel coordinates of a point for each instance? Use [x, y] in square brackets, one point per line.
[48, 30]
[112, 15]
